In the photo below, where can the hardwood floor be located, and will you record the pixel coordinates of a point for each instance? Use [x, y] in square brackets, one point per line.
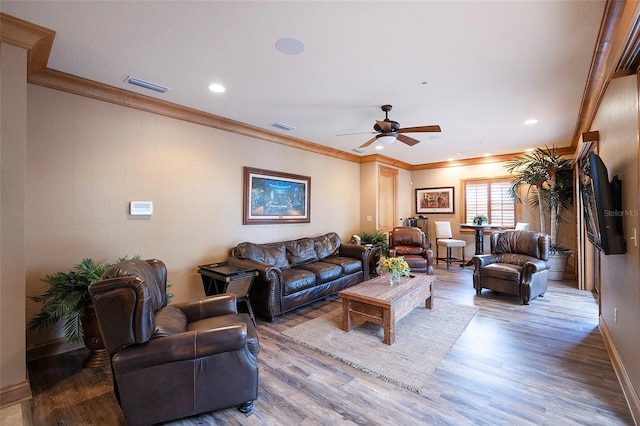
[542, 364]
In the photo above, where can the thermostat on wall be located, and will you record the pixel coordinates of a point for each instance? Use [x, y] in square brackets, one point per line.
[139, 208]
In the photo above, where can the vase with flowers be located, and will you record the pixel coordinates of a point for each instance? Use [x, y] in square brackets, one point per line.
[396, 267]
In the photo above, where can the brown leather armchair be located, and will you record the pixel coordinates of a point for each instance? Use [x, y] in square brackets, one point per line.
[178, 360]
[518, 265]
[411, 243]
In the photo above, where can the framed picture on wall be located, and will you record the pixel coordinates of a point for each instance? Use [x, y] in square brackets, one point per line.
[275, 197]
[434, 200]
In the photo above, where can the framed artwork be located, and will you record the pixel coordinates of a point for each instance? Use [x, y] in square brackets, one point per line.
[275, 197]
[435, 200]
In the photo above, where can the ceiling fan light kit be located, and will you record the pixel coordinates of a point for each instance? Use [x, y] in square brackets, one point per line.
[389, 131]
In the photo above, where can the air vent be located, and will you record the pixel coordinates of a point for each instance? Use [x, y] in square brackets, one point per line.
[359, 151]
[283, 126]
[146, 84]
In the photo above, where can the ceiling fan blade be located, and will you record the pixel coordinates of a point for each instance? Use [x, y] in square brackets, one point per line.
[369, 142]
[420, 129]
[406, 139]
[385, 126]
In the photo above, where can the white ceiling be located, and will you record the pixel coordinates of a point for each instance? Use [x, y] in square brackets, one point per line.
[477, 68]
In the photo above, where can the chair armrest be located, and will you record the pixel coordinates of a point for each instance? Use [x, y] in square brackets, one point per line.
[482, 260]
[209, 306]
[533, 266]
[181, 347]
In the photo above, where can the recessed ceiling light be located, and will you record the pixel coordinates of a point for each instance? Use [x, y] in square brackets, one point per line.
[379, 147]
[217, 88]
[449, 159]
[289, 46]
[486, 154]
[531, 121]
[529, 150]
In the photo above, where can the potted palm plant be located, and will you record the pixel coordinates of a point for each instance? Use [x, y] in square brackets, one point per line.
[549, 177]
[66, 298]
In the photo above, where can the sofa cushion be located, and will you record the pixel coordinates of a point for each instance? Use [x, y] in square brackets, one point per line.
[403, 250]
[270, 254]
[349, 265]
[503, 271]
[323, 271]
[296, 280]
[327, 245]
[301, 251]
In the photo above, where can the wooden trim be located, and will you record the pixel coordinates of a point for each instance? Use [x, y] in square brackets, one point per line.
[14, 394]
[617, 25]
[51, 347]
[35, 39]
[633, 399]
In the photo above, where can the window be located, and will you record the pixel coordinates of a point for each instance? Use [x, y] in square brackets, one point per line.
[489, 197]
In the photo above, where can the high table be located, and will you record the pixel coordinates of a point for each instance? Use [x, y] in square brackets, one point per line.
[479, 231]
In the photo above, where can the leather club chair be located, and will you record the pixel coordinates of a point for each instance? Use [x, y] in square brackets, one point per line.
[411, 243]
[177, 360]
[518, 264]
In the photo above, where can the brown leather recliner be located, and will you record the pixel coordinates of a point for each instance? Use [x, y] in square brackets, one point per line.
[177, 360]
[518, 264]
[411, 243]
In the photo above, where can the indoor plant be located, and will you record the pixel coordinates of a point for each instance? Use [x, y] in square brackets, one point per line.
[66, 298]
[377, 238]
[480, 220]
[396, 267]
[549, 177]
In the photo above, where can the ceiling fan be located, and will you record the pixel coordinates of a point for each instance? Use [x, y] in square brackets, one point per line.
[389, 130]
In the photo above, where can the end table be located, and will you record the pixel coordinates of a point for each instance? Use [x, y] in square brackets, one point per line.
[218, 278]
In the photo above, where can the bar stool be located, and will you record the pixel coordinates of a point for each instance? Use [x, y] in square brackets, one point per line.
[444, 238]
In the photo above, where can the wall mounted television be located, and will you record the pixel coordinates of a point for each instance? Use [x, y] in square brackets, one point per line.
[602, 201]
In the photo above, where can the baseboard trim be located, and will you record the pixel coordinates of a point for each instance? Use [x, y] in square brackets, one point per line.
[630, 394]
[51, 347]
[15, 394]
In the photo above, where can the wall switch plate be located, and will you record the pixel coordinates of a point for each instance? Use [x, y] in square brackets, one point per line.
[141, 208]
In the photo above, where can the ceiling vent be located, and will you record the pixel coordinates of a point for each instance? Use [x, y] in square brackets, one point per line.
[146, 84]
[283, 126]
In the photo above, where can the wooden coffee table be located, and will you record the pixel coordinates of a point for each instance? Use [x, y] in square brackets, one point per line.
[380, 303]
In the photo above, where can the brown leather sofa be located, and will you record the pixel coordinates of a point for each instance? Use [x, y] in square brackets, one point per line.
[411, 243]
[518, 264]
[177, 360]
[295, 273]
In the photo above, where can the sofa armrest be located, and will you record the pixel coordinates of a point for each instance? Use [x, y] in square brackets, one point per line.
[428, 254]
[264, 269]
[209, 306]
[355, 251]
[180, 347]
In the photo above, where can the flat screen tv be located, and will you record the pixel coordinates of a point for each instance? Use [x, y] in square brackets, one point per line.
[602, 201]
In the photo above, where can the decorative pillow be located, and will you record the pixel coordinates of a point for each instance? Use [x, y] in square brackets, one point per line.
[269, 254]
[301, 251]
[327, 245]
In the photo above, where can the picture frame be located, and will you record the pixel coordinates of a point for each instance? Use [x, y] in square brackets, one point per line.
[275, 197]
[435, 200]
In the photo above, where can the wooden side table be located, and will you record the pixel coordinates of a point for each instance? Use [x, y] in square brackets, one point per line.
[218, 278]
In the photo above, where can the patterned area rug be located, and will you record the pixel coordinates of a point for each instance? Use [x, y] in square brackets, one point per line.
[423, 339]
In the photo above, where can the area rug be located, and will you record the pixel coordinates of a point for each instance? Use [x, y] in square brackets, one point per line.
[423, 339]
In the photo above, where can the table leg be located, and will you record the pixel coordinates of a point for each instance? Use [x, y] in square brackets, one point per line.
[428, 303]
[347, 325]
[479, 241]
[389, 326]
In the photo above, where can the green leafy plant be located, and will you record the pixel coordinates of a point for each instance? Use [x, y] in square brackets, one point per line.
[67, 295]
[549, 177]
[480, 219]
[376, 238]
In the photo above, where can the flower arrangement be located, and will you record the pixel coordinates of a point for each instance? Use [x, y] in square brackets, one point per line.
[395, 265]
